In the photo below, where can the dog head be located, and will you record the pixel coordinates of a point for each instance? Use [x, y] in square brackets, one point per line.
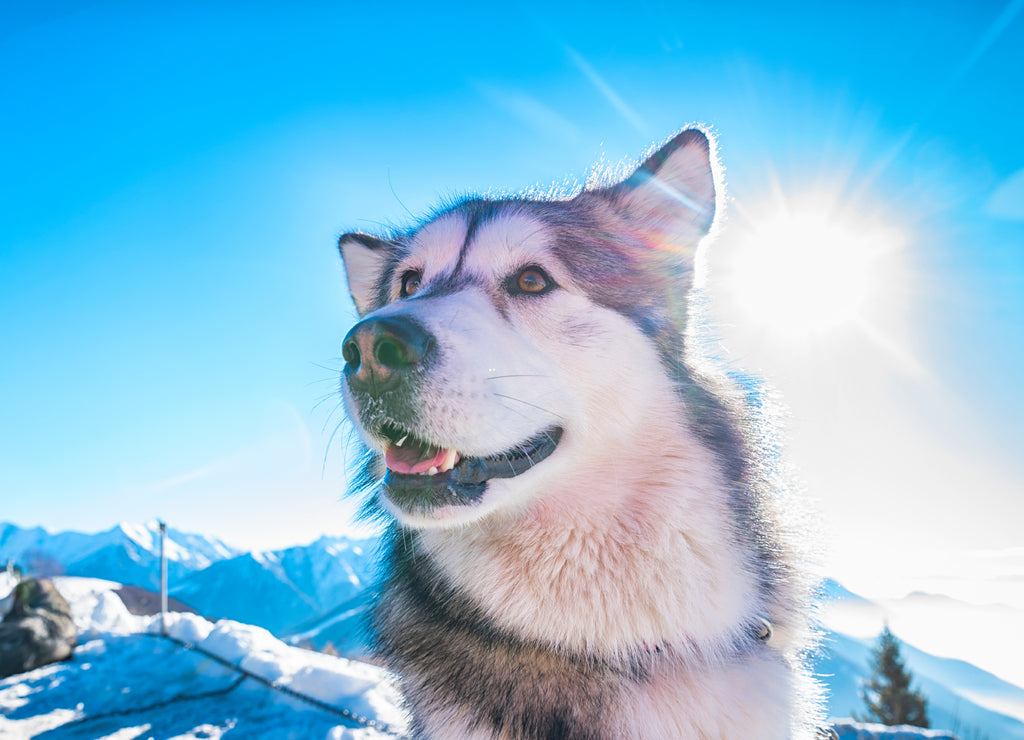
[505, 342]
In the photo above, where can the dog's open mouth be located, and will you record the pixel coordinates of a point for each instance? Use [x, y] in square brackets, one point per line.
[423, 476]
[408, 455]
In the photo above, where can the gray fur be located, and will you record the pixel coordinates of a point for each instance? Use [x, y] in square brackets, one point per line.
[445, 649]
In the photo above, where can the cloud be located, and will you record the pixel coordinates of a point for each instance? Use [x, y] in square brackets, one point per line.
[1007, 200]
[606, 91]
[530, 111]
[279, 450]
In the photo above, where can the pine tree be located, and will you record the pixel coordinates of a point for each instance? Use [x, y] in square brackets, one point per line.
[887, 694]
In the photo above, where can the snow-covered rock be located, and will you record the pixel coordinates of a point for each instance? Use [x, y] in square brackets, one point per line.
[96, 607]
[126, 681]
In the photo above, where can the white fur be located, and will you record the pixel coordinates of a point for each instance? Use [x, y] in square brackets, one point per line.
[631, 541]
[362, 266]
[623, 543]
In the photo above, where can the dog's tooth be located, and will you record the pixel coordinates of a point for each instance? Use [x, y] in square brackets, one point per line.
[450, 458]
[432, 471]
[401, 442]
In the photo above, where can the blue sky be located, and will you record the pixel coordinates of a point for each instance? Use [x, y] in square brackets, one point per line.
[171, 303]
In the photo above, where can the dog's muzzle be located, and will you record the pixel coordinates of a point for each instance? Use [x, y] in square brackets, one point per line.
[385, 358]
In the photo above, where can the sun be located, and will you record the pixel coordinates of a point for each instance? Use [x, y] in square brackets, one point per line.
[805, 270]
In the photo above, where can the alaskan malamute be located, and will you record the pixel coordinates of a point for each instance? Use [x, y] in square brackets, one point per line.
[585, 540]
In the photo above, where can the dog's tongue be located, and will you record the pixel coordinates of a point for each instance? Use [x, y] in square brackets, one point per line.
[413, 458]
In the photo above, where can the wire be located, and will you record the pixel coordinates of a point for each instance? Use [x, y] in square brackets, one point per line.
[157, 705]
[244, 675]
[341, 712]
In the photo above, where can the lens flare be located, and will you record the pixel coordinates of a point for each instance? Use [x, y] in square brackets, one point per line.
[806, 271]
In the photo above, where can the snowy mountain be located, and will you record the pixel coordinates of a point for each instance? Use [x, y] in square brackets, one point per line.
[987, 635]
[284, 591]
[973, 703]
[129, 553]
[343, 628]
[843, 665]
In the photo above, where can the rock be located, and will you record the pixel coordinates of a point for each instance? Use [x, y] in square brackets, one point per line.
[143, 602]
[38, 630]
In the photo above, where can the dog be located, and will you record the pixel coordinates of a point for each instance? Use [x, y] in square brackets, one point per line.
[585, 539]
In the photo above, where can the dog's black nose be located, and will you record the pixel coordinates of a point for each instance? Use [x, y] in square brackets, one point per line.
[378, 352]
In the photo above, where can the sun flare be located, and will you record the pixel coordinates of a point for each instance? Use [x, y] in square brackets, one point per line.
[805, 270]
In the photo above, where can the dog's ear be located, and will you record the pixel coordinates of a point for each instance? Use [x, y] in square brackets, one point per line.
[672, 193]
[365, 259]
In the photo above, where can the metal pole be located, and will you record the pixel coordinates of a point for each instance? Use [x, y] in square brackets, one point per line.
[163, 580]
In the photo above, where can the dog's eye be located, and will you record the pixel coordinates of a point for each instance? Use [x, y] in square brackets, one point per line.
[411, 282]
[532, 280]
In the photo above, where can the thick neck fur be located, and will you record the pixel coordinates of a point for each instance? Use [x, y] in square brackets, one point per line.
[621, 554]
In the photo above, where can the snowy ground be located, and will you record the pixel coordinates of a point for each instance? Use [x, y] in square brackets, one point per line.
[127, 682]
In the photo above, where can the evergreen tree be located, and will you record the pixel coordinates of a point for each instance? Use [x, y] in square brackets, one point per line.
[887, 694]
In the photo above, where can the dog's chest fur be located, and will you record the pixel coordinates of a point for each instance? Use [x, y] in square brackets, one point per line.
[612, 609]
[624, 553]
[468, 677]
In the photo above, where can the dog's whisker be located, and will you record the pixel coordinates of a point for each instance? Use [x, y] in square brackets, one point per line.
[330, 416]
[332, 396]
[549, 439]
[330, 440]
[329, 368]
[508, 461]
[514, 411]
[394, 193]
[526, 453]
[531, 405]
[516, 375]
[526, 239]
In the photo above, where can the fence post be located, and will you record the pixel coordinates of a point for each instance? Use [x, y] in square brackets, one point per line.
[163, 580]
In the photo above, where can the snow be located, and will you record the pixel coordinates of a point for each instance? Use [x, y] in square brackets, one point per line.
[126, 681]
[7, 584]
[310, 634]
[95, 607]
[139, 534]
[850, 730]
